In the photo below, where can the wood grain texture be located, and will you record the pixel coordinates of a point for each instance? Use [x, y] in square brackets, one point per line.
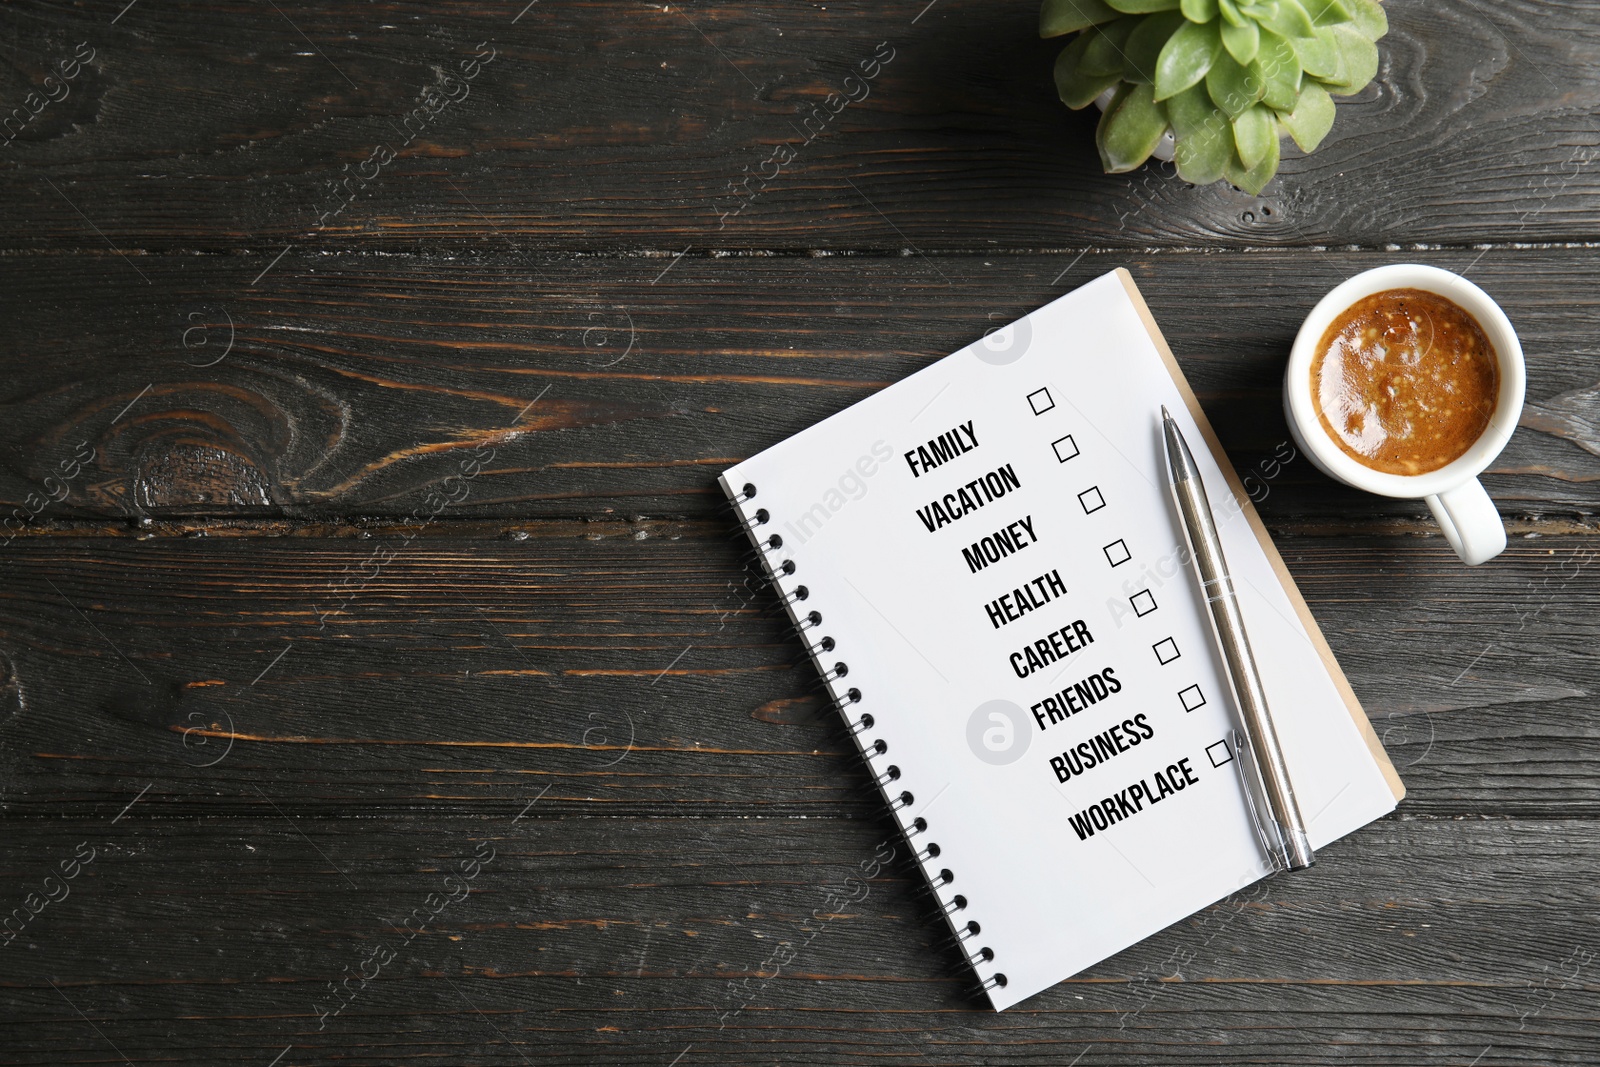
[622, 386]
[343, 541]
[625, 669]
[601, 122]
[632, 941]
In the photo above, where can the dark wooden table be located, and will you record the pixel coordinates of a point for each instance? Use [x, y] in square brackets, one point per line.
[378, 684]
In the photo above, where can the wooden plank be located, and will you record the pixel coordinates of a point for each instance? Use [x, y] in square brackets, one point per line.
[623, 668]
[355, 385]
[278, 739]
[633, 941]
[602, 121]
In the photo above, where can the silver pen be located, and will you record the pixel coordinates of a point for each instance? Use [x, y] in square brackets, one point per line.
[1267, 789]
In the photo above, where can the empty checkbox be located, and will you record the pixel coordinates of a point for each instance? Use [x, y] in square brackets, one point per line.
[1192, 698]
[1144, 602]
[1117, 553]
[1166, 650]
[1220, 754]
[1040, 401]
[1091, 500]
[1065, 448]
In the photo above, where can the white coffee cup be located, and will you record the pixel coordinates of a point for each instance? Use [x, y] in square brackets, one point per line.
[1467, 515]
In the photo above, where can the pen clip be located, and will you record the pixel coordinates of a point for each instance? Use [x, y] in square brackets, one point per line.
[1268, 832]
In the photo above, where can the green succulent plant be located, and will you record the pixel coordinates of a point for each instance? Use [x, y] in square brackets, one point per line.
[1229, 78]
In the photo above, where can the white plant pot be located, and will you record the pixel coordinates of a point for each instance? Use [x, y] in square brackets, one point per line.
[1165, 148]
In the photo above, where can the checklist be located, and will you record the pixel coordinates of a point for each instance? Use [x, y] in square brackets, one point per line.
[989, 572]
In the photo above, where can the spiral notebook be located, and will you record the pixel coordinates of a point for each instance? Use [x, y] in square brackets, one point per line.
[985, 564]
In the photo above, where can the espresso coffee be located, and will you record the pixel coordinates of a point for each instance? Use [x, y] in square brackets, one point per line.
[1404, 381]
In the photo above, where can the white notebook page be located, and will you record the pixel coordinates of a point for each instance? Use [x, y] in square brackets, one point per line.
[1039, 663]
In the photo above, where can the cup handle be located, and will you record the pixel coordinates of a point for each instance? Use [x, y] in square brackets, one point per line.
[1470, 522]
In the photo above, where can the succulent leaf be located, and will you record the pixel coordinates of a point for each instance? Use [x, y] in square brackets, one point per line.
[1281, 66]
[1070, 59]
[1193, 115]
[1205, 136]
[1204, 159]
[1253, 179]
[1242, 41]
[1288, 18]
[1104, 53]
[1358, 60]
[1057, 17]
[1143, 49]
[1369, 17]
[1077, 89]
[1311, 119]
[1254, 129]
[1234, 86]
[1143, 7]
[1130, 129]
[1229, 78]
[1319, 55]
[1326, 12]
[1186, 57]
[1188, 111]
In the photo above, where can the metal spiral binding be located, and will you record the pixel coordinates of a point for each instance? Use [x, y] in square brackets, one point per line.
[890, 774]
[748, 526]
[848, 727]
[959, 936]
[932, 884]
[809, 621]
[813, 651]
[833, 674]
[825, 645]
[786, 600]
[757, 553]
[857, 726]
